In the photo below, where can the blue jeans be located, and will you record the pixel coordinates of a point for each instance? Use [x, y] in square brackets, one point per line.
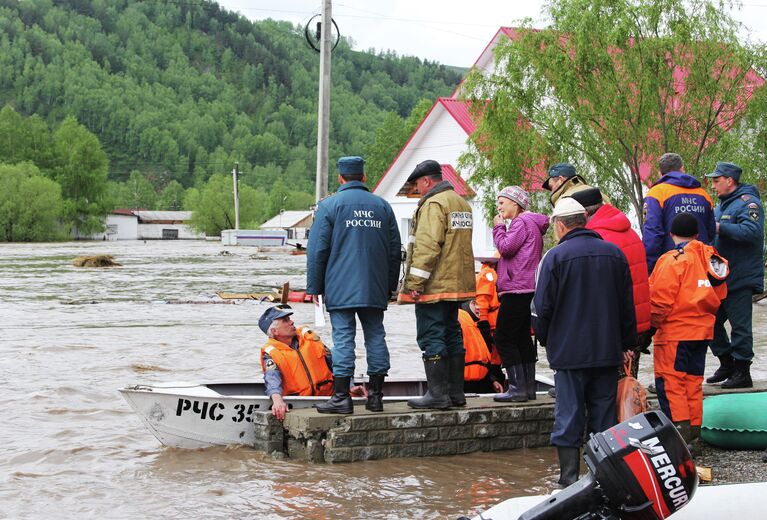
[582, 393]
[344, 330]
[438, 330]
[736, 309]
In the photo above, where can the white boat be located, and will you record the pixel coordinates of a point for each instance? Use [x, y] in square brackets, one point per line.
[194, 415]
[739, 501]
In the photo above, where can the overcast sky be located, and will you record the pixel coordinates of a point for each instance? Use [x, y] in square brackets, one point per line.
[451, 33]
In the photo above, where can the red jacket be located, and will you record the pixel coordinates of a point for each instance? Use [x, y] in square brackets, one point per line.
[613, 226]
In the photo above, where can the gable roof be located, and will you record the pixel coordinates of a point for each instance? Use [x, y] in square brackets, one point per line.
[450, 175]
[286, 219]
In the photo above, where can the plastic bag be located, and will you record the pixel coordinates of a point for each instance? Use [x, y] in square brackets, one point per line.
[632, 396]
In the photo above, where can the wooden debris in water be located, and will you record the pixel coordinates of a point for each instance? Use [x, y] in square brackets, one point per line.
[704, 473]
[95, 261]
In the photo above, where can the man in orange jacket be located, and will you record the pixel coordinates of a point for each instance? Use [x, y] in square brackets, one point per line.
[294, 361]
[477, 374]
[686, 288]
[487, 310]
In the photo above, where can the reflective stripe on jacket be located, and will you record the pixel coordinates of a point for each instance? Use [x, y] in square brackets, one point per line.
[477, 355]
[305, 370]
[440, 258]
[685, 292]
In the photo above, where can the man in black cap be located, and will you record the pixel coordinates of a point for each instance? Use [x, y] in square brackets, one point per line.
[439, 275]
[563, 181]
[353, 259]
[740, 239]
[294, 361]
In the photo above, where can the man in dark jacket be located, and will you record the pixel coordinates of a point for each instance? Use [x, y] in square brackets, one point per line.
[740, 239]
[675, 192]
[353, 259]
[583, 313]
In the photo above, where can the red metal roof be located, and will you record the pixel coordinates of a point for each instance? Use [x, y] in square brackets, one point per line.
[459, 109]
[456, 181]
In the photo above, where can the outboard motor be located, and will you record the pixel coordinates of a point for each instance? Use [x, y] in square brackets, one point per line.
[639, 469]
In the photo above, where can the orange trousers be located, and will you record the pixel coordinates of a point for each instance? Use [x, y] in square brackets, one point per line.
[679, 369]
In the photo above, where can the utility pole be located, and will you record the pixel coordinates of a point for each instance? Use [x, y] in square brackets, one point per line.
[235, 181]
[323, 115]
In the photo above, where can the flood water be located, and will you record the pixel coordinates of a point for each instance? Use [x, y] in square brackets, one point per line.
[72, 448]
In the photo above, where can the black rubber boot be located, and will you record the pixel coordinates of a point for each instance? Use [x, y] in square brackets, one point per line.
[741, 376]
[341, 402]
[455, 380]
[724, 371]
[375, 393]
[683, 427]
[530, 380]
[569, 465]
[517, 391]
[437, 369]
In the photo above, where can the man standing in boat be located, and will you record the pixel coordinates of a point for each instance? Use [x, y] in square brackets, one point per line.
[439, 275]
[294, 361]
[583, 313]
[353, 259]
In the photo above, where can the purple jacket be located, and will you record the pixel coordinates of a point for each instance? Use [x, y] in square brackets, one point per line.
[520, 247]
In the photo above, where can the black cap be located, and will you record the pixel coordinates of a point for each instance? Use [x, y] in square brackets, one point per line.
[684, 225]
[559, 170]
[588, 197]
[427, 167]
[269, 315]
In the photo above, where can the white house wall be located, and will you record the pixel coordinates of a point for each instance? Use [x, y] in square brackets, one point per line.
[154, 231]
[118, 227]
[442, 139]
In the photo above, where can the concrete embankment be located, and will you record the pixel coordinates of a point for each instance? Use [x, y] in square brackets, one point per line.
[400, 431]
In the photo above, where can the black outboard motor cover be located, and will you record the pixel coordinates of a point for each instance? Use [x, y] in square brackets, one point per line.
[643, 467]
[639, 469]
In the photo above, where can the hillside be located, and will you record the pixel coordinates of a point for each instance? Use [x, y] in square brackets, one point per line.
[181, 90]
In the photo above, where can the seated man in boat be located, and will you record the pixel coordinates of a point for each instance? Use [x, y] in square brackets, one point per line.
[477, 377]
[294, 361]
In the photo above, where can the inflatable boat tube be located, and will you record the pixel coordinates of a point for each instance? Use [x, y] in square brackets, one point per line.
[736, 421]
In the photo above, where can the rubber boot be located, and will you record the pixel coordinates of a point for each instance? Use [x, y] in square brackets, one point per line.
[517, 391]
[741, 376]
[341, 402]
[694, 445]
[455, 378]
[375, 393]
[726, 367]
[437, 369]
[683, 427]
[530, 380]
[569, 465]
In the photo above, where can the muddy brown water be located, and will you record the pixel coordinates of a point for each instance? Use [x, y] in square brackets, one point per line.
[72, 448]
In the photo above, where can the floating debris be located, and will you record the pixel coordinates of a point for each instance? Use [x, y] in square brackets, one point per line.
[225, 253]
[95, 261]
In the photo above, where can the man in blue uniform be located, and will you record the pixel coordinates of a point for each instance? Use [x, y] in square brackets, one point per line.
[583, 313]
[675, 192]
[740, 239]
[353, 259]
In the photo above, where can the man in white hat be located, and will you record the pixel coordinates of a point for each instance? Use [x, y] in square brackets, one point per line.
[583, 313]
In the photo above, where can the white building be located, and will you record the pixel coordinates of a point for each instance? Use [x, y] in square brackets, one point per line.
[124, 224]
[296, 223]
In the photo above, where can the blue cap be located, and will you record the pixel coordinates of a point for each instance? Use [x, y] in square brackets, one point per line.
[726, 169]
[269, 315]
[353, 165]
[559, 170]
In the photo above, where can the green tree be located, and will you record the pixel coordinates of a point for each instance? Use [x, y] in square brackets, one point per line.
[611, 86]
[172, 197]
[213, 205]
[81, 171]
[30, 204]
[141, 194]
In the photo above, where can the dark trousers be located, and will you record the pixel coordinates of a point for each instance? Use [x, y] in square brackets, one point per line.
[512, 331]
[736, 309]
[438, 331]
[582, 393]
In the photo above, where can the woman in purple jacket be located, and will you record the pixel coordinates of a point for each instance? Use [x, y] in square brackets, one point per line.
[520, 246]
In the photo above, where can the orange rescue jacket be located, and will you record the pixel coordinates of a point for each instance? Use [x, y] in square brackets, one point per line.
[477, 355]
[304, 370]
[487, 295]
[686, 288]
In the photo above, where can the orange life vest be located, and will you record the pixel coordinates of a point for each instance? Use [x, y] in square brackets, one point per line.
[304, 371]
[477, 355]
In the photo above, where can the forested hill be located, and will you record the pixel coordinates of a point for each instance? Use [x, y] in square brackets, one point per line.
[180, 90]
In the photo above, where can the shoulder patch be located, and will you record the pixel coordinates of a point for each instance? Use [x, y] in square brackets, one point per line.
[644, 212]
[746, 197]
[753, 213]
[489, 277]
[269, 364]
[753, 205]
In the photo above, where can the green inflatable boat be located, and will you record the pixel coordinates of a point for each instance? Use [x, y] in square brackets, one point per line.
[736, 421]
